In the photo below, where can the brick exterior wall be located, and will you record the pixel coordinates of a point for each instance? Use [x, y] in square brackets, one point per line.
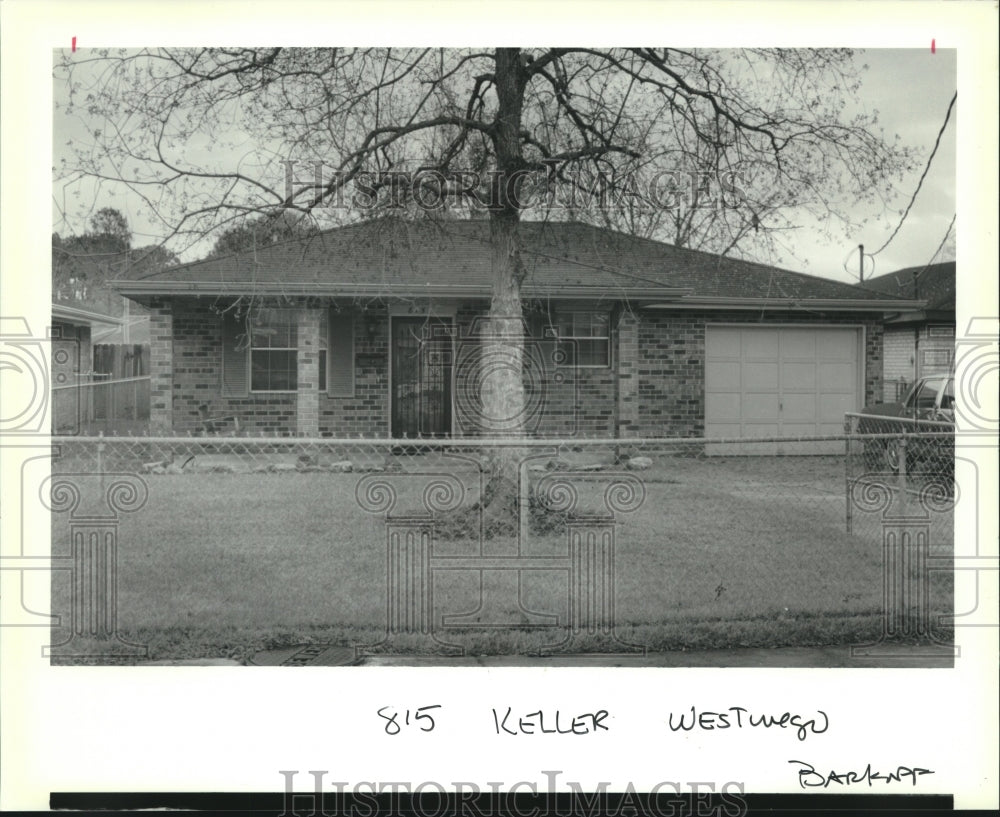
[307, 360]
[655, 386]
[197, 377]
[560, 401]
[671, 374]
[898, 346]
[162, 411]
[365, 413]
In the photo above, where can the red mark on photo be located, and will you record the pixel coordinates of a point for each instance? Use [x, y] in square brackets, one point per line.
[74, 46]
[933, 49]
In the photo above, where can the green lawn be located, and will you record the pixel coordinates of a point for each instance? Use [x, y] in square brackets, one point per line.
[723, 552]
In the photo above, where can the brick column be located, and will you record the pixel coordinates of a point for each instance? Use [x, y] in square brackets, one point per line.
[307, 402]
[161, 367]
[874, 342]
[628, 376]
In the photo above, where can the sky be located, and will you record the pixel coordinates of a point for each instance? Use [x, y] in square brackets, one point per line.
[910, 89]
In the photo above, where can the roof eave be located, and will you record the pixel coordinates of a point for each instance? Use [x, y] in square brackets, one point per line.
[83, 316]
[313, 289]
[790, 304]
[921, 316]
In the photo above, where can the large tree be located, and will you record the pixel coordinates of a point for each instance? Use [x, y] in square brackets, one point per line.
[207, 137]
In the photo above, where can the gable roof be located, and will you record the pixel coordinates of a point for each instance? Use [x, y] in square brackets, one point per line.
[934, 283]
[452, 258]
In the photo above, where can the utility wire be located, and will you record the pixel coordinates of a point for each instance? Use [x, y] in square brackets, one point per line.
[940, 246]
[923, 175]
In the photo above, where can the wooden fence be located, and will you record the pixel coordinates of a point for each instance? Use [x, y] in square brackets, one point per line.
[119, 361]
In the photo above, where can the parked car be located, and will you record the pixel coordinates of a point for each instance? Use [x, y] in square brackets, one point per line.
[929, 407]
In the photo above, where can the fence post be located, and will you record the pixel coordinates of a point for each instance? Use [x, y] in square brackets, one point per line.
[902, 476]
[100, 457]
[847, 474]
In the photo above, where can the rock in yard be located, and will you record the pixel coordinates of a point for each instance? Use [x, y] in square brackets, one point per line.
[639, 463]
[342, 467]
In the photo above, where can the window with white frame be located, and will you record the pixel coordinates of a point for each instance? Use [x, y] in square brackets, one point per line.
[584, 338]
[273, 351]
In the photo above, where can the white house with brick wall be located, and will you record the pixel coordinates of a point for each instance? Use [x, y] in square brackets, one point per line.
[377, 329]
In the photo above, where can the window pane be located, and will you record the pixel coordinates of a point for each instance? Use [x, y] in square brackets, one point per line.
[273, 370]
[262, 335]
[583, 324]
[592, 352]
[565, 353]
[599, 324]
[275, 329]
[928, 394]
[322, 369]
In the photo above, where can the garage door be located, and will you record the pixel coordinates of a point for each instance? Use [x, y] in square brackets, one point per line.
[780, 382]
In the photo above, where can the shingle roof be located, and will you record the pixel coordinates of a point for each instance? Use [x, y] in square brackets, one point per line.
[566, 258]
[935, 284]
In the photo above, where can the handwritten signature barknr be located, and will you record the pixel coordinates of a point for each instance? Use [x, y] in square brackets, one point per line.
[810, 778]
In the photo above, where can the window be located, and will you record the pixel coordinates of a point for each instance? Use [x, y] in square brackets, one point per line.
[324, 332]
[926, 396]
[948, 395]
[273, 351]
[584, 338]
[937, 357]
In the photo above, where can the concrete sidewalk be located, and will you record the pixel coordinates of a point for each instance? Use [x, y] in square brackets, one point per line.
[887, 656]
[882, 656]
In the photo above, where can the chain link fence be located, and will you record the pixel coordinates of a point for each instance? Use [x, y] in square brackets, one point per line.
[523, 545]
[901, 466]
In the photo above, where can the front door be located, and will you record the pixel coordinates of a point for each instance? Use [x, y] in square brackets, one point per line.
[421, 376]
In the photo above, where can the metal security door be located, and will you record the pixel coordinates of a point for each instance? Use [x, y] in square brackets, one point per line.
[421, 377]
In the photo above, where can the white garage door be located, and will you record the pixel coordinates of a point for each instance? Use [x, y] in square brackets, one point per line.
[780, 382]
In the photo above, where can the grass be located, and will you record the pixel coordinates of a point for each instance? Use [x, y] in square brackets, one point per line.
[724, 552]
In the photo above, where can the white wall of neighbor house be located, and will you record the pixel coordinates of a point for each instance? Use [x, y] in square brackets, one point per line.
[898, 361]
[914, 352]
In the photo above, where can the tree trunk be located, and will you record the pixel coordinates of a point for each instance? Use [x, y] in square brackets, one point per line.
[503, 398]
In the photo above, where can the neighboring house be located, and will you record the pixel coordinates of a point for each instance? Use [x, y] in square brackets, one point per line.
[377, 330]
[77, 399]
[73, 338]
[921, 341]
